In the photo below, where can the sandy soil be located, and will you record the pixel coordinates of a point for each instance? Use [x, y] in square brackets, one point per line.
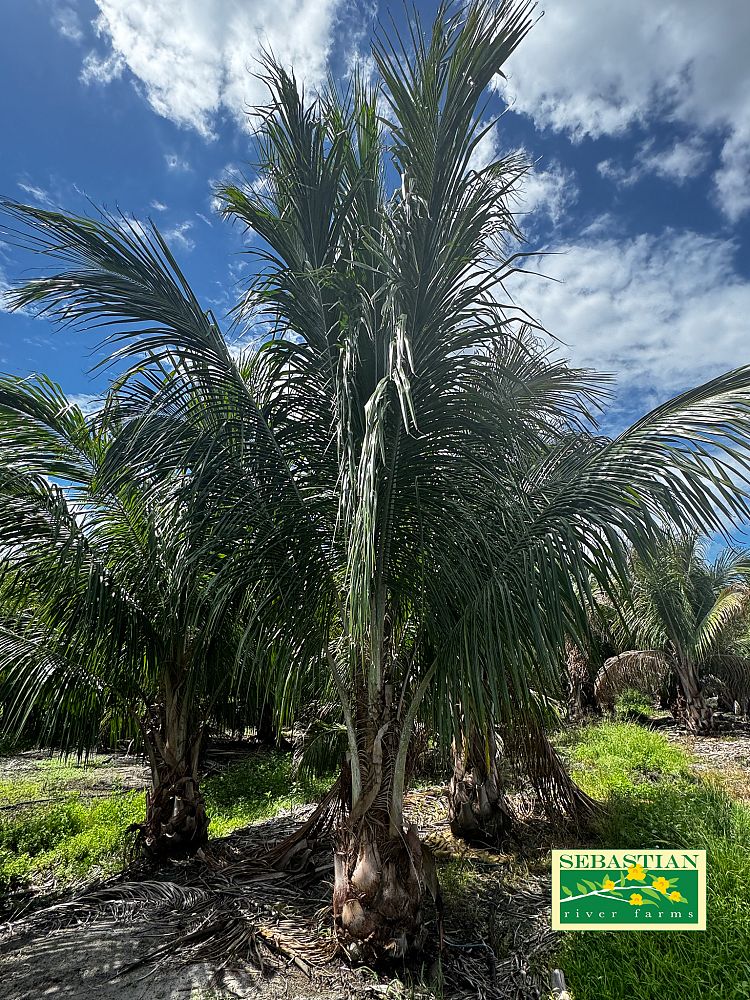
[725, 754]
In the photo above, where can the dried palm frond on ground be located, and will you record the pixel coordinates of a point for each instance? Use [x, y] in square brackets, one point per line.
[228, 922]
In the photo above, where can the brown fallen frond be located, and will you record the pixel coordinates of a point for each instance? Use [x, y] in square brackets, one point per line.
[644, 670]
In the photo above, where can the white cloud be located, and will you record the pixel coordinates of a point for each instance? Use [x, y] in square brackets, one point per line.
[487, 150]
[592, 68]
[230, 173]
[661, 312]
[86, 402]
[5, 287]
[547, 192]
[175, 162]
[39, 194]
[677, 163]
[178, 234]
[620, 175]
[66, 20]
[158, 206]
[732, 179]
[96, 69]
[193, 57]
[539, 192]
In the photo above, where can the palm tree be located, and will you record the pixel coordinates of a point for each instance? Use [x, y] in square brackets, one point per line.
[408, 496]
[110, 612]
[681, 615]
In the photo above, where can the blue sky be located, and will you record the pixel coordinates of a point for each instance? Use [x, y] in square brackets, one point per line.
[637, 115]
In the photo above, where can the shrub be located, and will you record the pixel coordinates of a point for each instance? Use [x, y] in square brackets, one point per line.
[632, 703]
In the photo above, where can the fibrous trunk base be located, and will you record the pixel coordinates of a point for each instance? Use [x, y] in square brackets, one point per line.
[379, 883]
[691, 707]
[176, 820]
[477, 809]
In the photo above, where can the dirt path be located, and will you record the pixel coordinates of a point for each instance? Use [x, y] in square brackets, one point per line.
[725, 754]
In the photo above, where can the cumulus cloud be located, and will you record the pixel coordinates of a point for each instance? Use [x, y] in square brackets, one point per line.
[732, 179]
[678, 162]
[662, 312]
[540, 192]
[547, 193]
[192, 56]
[591, 68]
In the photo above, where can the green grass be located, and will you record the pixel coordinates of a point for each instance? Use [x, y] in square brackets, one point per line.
[654, 802]
[255, 789]
[75, 837]
[70, 839]
[620, 756]
[632, 703]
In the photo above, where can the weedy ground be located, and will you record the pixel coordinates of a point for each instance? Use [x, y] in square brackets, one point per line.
[64, 821]
[660, 789]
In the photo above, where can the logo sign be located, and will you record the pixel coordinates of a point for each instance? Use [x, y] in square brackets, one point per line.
[605, 890]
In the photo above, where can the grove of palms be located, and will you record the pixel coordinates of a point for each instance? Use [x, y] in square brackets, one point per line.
[396, 496]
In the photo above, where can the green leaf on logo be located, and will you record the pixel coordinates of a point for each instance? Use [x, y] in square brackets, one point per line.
[654, 893]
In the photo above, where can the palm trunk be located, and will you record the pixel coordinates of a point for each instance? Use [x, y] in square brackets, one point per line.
[477, 809]
[176, 821]
[266, 731]
[581, 694]
[381, 869]
[378, 890]
[692, 706]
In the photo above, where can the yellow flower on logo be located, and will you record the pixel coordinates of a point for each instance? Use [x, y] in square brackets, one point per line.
[675, 897]
[636, 899]
[636, 872]
[608, 884]
[661, 883]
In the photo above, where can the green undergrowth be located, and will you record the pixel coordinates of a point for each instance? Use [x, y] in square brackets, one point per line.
[632, 702]
[75, 837]
[654, 802]
[257, 788]
[621, 756]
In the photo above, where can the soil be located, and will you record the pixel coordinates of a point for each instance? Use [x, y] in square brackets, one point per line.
[725, 754]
